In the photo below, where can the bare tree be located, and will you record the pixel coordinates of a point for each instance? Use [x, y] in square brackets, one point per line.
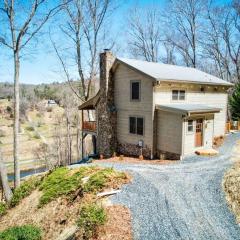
[83, 28]
[23, 23]
[220, 40]
[145, 34]
[182, 22]
[4, 180]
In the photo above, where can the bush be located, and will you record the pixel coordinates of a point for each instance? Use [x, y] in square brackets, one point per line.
[91, 216]
[24, 190]
[49, 109]
[36, 136]
[101, 178]
[9, 109]
[25, 232]
[2, 133]
[3, 208]
[30, 128]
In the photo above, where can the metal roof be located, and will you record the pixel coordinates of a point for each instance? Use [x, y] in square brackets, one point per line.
[188, 109]
[173, 73]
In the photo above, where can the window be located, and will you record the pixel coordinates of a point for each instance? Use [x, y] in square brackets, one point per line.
[178, 94]
[190, 125]
[136, 125]
[135, 90]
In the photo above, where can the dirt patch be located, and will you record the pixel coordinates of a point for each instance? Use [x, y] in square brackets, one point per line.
[135, 161]
[118, 226]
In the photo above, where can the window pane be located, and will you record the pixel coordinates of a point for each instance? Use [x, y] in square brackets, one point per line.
[190, 125]
[132, 125]
[175, 95]
[135, 90]
[182, 95]
[140, 126]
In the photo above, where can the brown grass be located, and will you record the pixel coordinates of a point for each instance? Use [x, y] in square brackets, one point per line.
[118, 226]
[54, 217]
[231, 184]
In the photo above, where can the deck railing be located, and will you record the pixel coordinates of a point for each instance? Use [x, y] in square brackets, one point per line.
[233, 125]
[90, 126]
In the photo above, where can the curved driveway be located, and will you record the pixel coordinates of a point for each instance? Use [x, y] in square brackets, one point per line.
[180, 201]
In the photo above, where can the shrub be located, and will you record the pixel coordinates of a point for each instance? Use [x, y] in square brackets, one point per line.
[3, 208]
[101, 178]
[91, 216]
[9, 109]
[30, 128]
[39, 115]
[25, 232]
[61, 182]
[49, 109]
[2, 133]
[24, 190]
[36, 136]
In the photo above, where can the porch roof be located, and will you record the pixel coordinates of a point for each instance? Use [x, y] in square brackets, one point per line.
[91, 103]
[188, 109]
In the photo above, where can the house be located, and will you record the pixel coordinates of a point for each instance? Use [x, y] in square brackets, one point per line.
[154, 108]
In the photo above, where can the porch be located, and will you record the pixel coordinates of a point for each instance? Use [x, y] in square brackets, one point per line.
[89, 126]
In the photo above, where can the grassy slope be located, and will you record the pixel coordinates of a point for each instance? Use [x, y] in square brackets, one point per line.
[57, 201]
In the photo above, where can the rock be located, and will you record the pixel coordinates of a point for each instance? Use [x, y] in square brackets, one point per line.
[68, 233]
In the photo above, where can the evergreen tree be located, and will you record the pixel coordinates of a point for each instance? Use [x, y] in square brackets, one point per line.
[235, 103]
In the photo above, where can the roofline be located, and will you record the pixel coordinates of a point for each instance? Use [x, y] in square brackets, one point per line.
[190, 112]
[194, 82]
[117, 60]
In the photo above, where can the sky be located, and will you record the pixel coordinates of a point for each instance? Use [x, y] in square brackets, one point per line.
[42, 65]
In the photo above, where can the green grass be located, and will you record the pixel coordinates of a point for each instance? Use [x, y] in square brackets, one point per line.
[24, 190]
[98, 180]
[61, 182]
[91, 216]
[25, 232]
[3, 208]
[29, 128]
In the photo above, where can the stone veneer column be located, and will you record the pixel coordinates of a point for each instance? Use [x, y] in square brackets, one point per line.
[106, 111]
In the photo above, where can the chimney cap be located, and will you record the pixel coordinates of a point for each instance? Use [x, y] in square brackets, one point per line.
[106, 49]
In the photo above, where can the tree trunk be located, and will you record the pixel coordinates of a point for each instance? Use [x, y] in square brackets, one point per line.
[4, 180]
[78, 145]
[16, 121]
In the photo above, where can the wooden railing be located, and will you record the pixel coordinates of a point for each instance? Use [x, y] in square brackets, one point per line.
[90, 126]
[232, 126]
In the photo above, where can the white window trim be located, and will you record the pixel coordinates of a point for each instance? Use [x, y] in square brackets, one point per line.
[178, 89]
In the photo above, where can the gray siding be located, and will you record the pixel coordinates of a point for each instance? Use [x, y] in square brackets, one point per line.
[125, 107]
[210, 97]
[169, 132]
[189, 138]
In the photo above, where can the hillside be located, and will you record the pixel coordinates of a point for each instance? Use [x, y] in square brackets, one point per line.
[66, 201]
[39, 128]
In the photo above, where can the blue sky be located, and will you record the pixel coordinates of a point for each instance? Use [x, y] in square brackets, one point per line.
[43, 66]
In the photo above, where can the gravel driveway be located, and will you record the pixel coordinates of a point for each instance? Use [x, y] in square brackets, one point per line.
[180, 201]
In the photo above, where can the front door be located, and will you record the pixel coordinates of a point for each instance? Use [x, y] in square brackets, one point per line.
[199, 133]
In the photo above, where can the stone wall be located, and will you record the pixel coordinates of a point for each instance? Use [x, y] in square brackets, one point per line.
[164, 155]
[106, 111]
[133, 150]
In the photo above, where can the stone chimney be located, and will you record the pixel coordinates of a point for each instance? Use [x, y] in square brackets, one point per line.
[106, 112]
